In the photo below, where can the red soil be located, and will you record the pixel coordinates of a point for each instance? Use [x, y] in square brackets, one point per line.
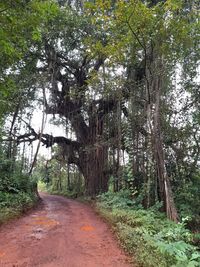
[59, 233]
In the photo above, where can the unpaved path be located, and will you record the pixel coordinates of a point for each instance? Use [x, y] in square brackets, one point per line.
[59, 233]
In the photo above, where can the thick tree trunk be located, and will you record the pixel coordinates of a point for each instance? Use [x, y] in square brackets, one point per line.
[94, 157]
[93, 166]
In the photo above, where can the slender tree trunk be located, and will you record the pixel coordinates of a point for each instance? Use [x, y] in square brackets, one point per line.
[68, 178]
[154, 79]
[10, 145]
[23, 157]
[39, 142]
[115, 173]
[165, 191]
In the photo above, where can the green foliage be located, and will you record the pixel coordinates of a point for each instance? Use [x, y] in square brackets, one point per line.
[183, 254]
[56, 178]
[17, 189]
[20, 23]
[120, 200]
[42, 187]
[19, 200]
[20, 29]
[12, 205]
[12, 179]
[187, 197]
[147, 234]
[136, 24]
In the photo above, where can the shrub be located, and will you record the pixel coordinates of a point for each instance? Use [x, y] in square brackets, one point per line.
[12, 205]
[147, 235]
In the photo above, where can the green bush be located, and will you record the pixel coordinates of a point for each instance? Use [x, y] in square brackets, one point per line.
[13, 204]
[147, 234]
[118, 200]
[12, 179]
[17, 200]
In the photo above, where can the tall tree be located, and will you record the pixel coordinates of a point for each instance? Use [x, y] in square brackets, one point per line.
[150, 38]
[107, 65]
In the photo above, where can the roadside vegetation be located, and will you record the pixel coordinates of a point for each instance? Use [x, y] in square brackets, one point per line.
[18, 191]
[14, 205]
[147, 235]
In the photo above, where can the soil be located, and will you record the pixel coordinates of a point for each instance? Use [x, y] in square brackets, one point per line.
[60, 233]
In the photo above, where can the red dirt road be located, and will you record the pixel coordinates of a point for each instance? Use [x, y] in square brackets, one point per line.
[59, 233]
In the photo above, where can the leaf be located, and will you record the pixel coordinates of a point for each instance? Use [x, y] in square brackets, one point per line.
[195, 256]
[181, 256]
[193, 264]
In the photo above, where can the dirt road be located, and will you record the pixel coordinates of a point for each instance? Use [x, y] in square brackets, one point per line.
[59, 233]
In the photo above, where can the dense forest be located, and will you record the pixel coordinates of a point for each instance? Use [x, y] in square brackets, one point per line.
[120, 78]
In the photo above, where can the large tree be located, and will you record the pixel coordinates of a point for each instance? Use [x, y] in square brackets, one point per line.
[107, 70]
[68, 71]
[152, 41]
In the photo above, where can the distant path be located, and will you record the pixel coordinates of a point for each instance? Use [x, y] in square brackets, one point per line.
[59, 233]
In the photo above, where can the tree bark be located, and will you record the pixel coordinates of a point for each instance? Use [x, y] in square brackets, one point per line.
[154, 85]
[93, 166]
[165, 191]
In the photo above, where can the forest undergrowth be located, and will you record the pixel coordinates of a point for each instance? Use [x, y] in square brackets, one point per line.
[150, 238]
[14, 205]
[17, 191]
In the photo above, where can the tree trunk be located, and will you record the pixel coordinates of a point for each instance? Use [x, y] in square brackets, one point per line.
[115, 173]
[68, 178]
[154, 83]
[93, 166]
[165, 191]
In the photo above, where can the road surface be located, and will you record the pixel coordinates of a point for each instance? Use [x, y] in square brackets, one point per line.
[59, 233]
